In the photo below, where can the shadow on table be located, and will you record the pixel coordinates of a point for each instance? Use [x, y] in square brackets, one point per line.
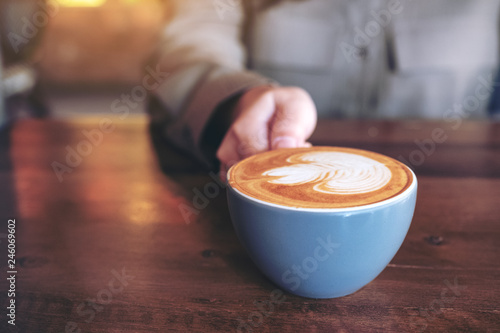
[190, 176]
[171, 159]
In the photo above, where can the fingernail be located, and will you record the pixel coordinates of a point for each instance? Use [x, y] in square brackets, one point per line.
[284, 142]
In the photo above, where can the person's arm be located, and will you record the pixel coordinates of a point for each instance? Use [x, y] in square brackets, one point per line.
[202, 65]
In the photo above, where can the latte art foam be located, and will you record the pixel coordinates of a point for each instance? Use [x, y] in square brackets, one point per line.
[320, 177]
[333, 172]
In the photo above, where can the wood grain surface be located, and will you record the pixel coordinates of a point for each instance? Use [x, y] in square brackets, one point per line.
[120, 243]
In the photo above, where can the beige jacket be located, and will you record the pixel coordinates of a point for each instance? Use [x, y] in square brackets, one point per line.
[357, 58]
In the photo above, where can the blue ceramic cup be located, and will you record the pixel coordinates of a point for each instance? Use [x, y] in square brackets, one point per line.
[322, 253]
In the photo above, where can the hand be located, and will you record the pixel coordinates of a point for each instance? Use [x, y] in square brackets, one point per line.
[267, 118]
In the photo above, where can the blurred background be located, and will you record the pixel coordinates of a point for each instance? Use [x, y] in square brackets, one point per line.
[57, 53]
[74, 57]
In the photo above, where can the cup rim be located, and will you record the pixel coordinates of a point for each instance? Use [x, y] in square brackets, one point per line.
[378, 204]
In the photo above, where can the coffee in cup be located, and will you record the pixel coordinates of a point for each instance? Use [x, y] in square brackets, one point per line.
[321, 222]
[320, 177]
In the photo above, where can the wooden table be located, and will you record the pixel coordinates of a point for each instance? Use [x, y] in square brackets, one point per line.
[115, 244]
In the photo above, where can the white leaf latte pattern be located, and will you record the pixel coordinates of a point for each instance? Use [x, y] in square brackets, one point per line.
[334, 172]
[320, 177]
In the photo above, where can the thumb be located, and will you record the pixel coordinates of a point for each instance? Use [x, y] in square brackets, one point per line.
[293, 122]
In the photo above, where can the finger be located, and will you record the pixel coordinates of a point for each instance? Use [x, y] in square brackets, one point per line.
[251, 128]
[284, 142]
[248, 134]
[228, 150]
[293, 122]
[307, 144]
